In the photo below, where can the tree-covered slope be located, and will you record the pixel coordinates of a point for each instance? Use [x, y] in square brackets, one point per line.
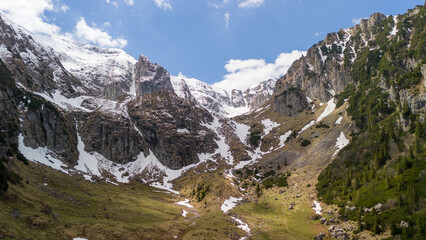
[386, 159]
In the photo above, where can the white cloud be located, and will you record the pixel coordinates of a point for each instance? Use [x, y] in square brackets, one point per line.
[30, 14]
[317, 34]
[165, 4]
[356, 20]
[64, 8]
[243, 74]
[226, 18]
[129, 2]
[218, 4]
[250, 3]
[106, 24]
[113, 3]
[96, 36]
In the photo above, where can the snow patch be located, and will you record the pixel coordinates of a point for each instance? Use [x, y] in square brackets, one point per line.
[341, 142]
[242, 131]
[184, 213]
[229, 204]
[182, 130]
[283, 138]
[241, 225]
[307, 126]
[329, 109]
[394, 30]
[40, 155]
[317, 207]
[339, 120]
[185, 203]
[268, 126]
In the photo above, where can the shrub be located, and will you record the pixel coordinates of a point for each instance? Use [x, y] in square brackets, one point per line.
[305, 142]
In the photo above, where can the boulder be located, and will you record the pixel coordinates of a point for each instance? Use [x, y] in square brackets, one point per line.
[379, 207]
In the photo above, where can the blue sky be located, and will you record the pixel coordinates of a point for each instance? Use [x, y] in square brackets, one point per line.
[200, 37]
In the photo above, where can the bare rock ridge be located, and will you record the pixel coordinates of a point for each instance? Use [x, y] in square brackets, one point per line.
[172, 126]
[150, 77]
[326, 69]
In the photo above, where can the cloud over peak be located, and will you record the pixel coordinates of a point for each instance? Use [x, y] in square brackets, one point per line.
[243, 74]
[97, 36]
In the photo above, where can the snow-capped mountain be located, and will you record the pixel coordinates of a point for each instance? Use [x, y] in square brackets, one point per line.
[88, 109]
[220, 101]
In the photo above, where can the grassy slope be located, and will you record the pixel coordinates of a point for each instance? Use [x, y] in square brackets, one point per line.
[95, 211]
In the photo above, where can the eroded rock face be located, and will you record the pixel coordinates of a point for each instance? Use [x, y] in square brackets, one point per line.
[258, 95]
[151, 77]
[9, 124]
[173, 128]
[237, 98]
[45, 126]
[289, 101]
[33, 66]
[113, 136]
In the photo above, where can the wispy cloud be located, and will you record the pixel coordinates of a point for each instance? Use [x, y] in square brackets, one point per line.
[129, 2]
[243, 74]
[218, 3]
[165, 4]
[96, 36]
[114, 3]
[356, 20]
[226, 18]
[317, 34]
[250, 3]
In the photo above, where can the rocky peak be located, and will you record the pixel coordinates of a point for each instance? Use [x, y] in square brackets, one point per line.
[256, 96]
[150, 77]
[237, 98]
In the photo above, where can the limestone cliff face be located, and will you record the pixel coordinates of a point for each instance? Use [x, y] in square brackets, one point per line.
[151, 77]
[44, 125]
[329, 65]
[112, 136]
[256, 96]
[173, 128]
[9, 124]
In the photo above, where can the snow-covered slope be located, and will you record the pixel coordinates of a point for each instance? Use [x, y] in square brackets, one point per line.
[219, 101]
[96, 67]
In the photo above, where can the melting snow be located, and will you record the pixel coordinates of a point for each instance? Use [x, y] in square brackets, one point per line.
[182, 130]
[229, 204]
[329, 109]
[307, 126]
[79, 238]
[317, 207]
[185, 203]
[339, 120]
[269, 125]
[341, 142]
[394, 29]
[283, 138]
[41, 155]
[242, 131]
[223, 148]
[184, 213]
[65, 103]
[241, 225]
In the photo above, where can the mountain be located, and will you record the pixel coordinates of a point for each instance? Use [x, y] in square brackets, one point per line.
[90, 135]
[220, 101]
